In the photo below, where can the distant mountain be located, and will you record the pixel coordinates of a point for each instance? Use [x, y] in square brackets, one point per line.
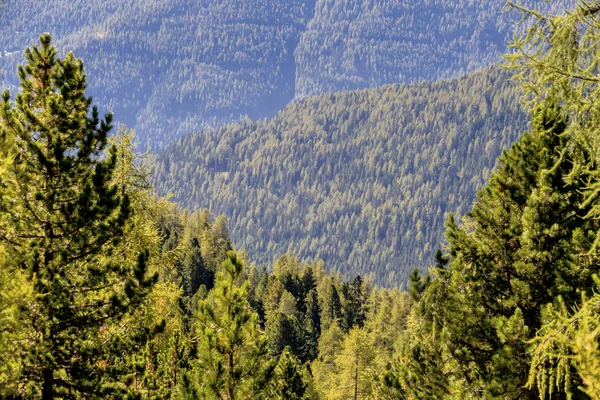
[362, 179]
[355, 44]
[169, 67]
[172, 67]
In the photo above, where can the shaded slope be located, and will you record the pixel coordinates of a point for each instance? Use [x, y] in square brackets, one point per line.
[169, 67]
[172, 67]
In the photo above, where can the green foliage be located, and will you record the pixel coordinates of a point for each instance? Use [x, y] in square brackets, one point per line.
[15, 293]
[354, 368]
[566, 345]
[289, 381]
[362, 180]
[232, 352]
[63, 230]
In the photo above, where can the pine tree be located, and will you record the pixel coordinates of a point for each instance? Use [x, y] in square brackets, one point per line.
[62, 228]
[233, 360]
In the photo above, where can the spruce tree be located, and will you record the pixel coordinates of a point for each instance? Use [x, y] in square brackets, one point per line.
[194, 270]
[355, 304]
[312, 325]
[285, 331]
[288, 382]
[62, 227]
[332, 307]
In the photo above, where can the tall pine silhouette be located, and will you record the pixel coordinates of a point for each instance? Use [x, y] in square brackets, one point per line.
[62, 227]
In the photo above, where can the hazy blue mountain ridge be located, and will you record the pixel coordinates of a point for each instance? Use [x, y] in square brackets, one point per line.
[171, 67]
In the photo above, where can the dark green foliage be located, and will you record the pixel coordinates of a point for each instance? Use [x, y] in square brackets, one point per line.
[333, 306]
[286, 331]
[63, 229]
[289, 382]
[362, 180]
[194, 269]
[354, 310]
[313, 310]
[417, 285]
[232, 352]
[524, 244]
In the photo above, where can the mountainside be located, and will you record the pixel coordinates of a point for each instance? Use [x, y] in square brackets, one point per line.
[172, 67]
[361, 179]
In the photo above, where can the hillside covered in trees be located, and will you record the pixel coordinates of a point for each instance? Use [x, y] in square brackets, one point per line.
[172, 67]
[361, 179]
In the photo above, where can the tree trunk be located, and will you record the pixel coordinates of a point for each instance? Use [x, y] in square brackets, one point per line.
[356, 381]
[48, 384]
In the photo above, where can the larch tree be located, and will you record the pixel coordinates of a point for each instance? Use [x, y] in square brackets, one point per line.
[354, 367]
[61, 228]
[557, 57]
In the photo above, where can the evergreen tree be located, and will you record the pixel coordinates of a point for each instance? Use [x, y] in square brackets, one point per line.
[309, 281]
[313, 310]
[354, 311]
[285, 331]
[524, 244]
[194, 270]
[557, 57]
[288, 382]
[233, 360]
[62, 228]
[312, 325]
[220, 238]
[417, 284]
[332, 312]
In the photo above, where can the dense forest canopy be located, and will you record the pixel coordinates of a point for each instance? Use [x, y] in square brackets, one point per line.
[109, 291]
[176, 66]
[360, 179]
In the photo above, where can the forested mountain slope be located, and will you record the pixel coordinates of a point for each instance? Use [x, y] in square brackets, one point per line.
[172, 67]
[354, 44]
[360, 179]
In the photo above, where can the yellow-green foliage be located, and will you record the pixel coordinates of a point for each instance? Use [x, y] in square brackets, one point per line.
[568, 341]
[15, 291]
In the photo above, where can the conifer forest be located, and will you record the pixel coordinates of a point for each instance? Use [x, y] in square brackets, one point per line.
[285, 199]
